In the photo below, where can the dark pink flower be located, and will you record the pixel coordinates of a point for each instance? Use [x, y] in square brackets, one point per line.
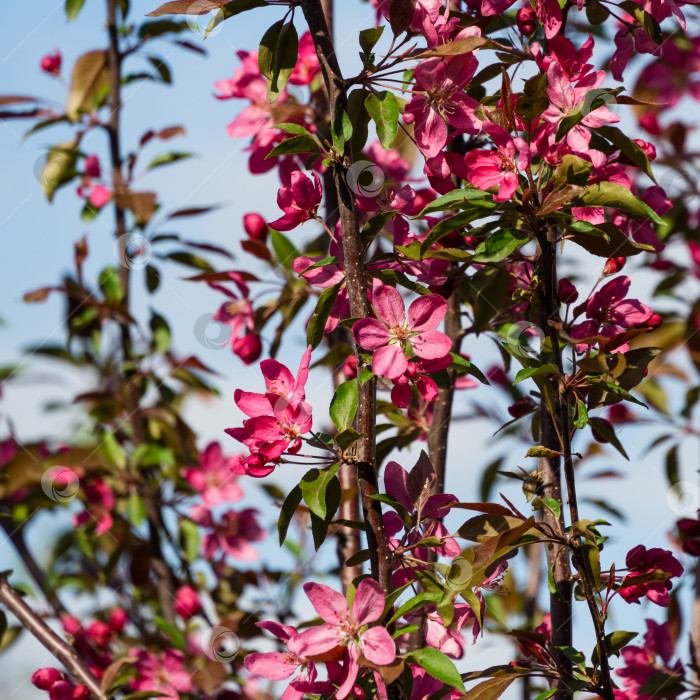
[525, 19]
[44, 678]
[395, 331]
[299, 201]
[641, 561]
[101, 502]
[51, 63]
[444, 98]
[486, 169]
[231, 535]
[609, 313]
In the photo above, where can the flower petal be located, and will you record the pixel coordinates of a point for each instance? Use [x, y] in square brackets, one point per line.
[368, 605]
[431, 345]
[329, 604]
[390, 361]
[389, 306]
[378, 646]
[426, 312]
[273, 665]
[370, 334]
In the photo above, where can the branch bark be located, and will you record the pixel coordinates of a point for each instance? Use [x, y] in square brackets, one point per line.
[65, 653]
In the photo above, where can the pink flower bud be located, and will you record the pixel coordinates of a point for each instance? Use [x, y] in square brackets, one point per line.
[497, 375]
[350, 367]
[648, 148]
[100, 633]
[248, 348]
[613, 266]
[650, 123]
[522, 407]
[51, 63]
[118, 619]
[61, 690]
[654, 322]
[187, 602]
[255, 226]
[619, 413]
[81, 692]
[92, 166]
[525, 19]
[44, 678]
[567, 291]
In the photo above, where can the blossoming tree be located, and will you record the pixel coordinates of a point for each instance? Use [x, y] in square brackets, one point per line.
[500, 159]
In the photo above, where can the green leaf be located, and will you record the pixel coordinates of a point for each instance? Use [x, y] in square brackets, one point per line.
[499, 245]
[73, 8]
[663, 685]
[284, 248]
[160, 333]
[319, 526]
[344, 405]
[287, 512]
[341, 130]
[173, 633]
[316, 329]
[553, 505]
[625, 144]
[453, 200]
[292, 128]
[610, 194]
[384, 110]
[672, 473]
[277, 56]
[572, 171]
[581, 416]
[188, 535]
[135, 510]
[112, 450]
[593, 99]
[608, 433]
[111, 285]
[528, 372]
[650, 25]
[59, 169]
[313, 488]
[615, 389]
[369, 38]
[614, 643]
[347, 438]
[167, 158]
[541, 451]
[438, 666]
[459, 362]
[152, 278]
[418, 601]
[295, 144]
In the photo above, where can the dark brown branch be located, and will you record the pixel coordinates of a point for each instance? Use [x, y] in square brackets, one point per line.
[357, 292]
[11, 600]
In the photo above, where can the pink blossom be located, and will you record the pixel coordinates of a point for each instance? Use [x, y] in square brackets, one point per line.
[396, 331]
[165, 674]
[231, 535]
[278, 666]
[213, 479]
[417, 374]
[564, 97]
[299, 201]
[488, 169]
[641, 561]
[51, 63]
[307, 67]
[444, 83]
[44, 678]
[187, 602]
[610, 313]
[347, 627]
[101, 502]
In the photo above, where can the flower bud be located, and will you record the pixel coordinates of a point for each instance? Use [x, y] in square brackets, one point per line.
[525, 19]
[567, 292]
[248, 348]
[350, 367]
[100, 633]
[522, 407]
[81, 692]
[117, 620]
[92, 166]
[613, 266]
[51, 63]
[255, 226]
[187, 602]
[648, 148]
[44, 678]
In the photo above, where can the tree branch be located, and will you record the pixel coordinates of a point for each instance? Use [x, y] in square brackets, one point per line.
[44, 634]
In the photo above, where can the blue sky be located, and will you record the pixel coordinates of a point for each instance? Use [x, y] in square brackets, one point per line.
[37, 240]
